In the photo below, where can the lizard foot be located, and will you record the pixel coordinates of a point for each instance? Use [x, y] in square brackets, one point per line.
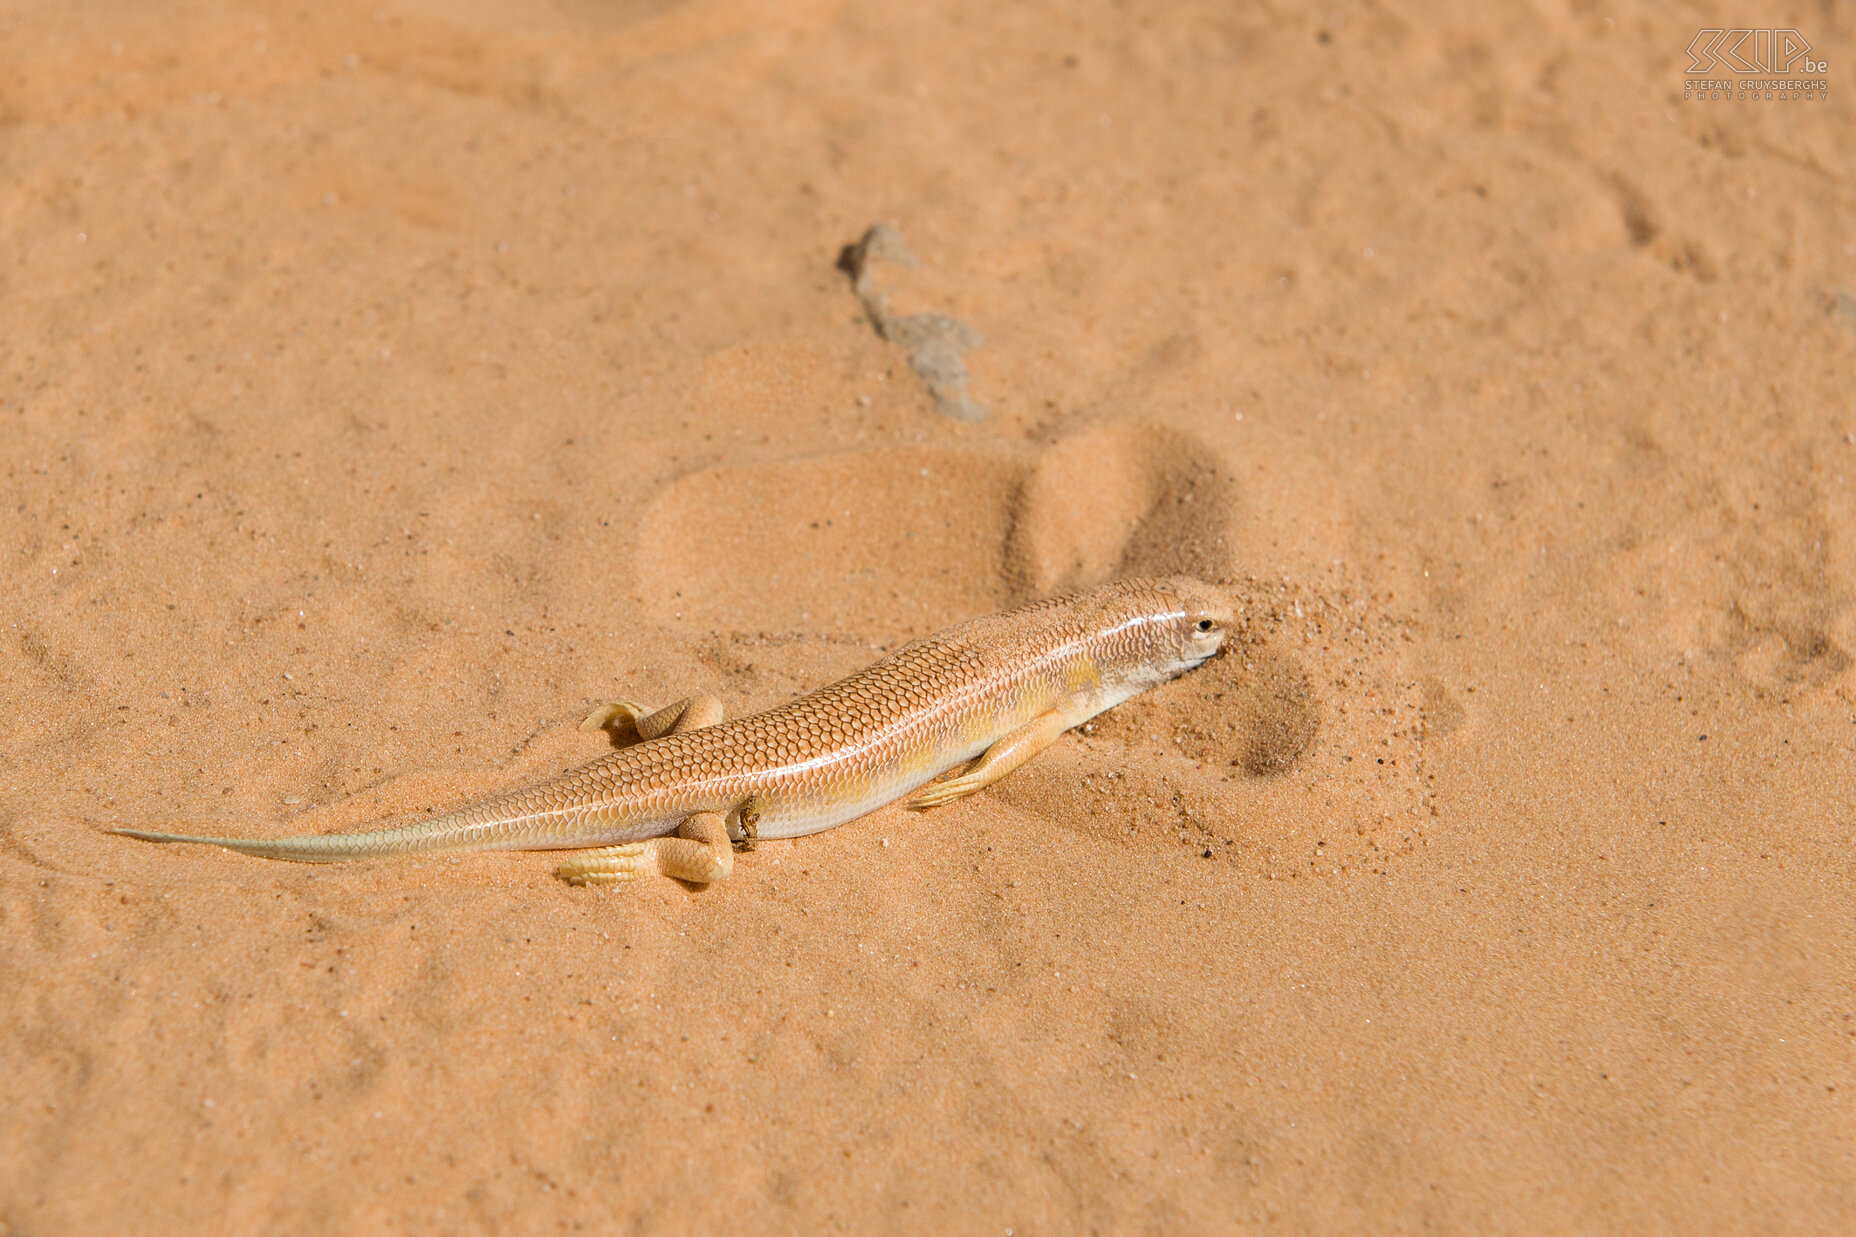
[630, 723]
[610, 865]
[618, 719]
[937, 793]
[700, 853]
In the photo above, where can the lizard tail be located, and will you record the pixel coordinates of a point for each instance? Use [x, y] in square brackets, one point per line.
[501, 823]
[507, 822]
[324, 848]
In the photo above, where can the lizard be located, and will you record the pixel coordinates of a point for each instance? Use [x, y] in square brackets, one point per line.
[683, 787]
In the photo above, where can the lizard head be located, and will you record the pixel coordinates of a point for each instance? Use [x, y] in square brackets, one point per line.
[1149, 631]
[1196, 622]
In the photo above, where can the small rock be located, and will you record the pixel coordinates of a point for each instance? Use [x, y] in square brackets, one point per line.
[935, 343]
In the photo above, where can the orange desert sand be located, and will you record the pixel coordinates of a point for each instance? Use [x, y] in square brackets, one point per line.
[387, 384]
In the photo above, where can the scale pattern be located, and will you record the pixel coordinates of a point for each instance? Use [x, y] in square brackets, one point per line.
[842, 750]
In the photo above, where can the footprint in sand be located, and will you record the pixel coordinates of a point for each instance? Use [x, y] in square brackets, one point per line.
[1120, 499]
[885, 545]
[892, 543]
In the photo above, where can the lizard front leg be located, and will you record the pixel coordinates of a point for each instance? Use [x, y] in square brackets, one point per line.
[700, 853]
[995, 762]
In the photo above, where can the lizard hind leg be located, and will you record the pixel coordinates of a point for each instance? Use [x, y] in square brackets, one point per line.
[700, 853]
[627, 723]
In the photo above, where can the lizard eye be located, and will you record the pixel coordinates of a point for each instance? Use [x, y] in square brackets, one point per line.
[1204, 624]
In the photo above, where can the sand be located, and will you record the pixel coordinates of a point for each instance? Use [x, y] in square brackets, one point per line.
[383, 385]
